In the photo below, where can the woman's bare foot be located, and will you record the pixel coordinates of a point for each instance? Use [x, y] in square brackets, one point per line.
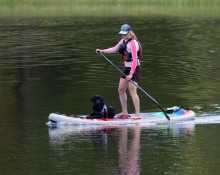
[122, 113]
[136, 116]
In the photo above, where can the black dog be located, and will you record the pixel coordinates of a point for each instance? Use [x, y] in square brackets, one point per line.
[100, 110]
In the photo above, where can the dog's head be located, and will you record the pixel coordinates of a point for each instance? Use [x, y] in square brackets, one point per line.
[98, 103]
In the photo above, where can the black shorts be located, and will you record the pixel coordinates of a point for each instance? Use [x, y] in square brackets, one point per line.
[136, 76]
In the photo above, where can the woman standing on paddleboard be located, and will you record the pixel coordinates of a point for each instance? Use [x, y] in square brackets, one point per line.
[130, 50]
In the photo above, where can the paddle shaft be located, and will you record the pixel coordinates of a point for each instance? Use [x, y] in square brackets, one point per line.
[168, 118]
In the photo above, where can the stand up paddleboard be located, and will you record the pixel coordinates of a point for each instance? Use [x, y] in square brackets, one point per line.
[175, 115]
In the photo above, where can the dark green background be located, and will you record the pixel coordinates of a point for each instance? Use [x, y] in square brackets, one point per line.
[50, 64]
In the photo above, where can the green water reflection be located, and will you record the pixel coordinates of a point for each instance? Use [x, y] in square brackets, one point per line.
[50, 64]
[54, 58]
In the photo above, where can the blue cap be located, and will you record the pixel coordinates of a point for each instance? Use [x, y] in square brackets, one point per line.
[125, 29]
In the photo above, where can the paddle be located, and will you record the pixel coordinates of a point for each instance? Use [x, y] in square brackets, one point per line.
[168, 118]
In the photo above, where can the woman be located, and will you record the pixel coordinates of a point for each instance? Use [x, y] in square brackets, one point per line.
[130, 50]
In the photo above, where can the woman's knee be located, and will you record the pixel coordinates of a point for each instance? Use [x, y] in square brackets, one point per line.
[121, 89]
[132, 90]
[122, 86]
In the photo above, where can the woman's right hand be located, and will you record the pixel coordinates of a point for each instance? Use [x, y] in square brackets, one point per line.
[99, 51]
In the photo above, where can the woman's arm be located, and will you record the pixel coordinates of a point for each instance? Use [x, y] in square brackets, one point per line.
[134, 56]
[111, 49]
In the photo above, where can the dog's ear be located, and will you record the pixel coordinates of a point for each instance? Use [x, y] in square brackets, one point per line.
[97, 97]
[100, 98]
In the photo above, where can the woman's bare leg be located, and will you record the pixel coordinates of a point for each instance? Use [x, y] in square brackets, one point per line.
[136, 101]
[123, 84]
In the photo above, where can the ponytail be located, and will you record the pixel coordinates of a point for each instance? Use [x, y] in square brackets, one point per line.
[131, 35]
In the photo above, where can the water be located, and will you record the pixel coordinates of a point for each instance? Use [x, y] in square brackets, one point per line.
[50, 64]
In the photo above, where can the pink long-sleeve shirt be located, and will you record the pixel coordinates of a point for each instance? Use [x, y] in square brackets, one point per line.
[132, 47]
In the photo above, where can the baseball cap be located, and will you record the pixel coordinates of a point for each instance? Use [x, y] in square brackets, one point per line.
[125, 28]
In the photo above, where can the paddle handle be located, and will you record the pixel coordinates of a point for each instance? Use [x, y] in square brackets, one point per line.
[168, 118]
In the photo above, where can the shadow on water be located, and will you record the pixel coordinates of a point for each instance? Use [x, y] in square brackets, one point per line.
[134, 149]
[121, 144]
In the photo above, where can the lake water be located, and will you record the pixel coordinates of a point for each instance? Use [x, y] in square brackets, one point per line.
[50, 64]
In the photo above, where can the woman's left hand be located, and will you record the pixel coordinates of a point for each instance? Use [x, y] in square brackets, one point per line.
[128, 77]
